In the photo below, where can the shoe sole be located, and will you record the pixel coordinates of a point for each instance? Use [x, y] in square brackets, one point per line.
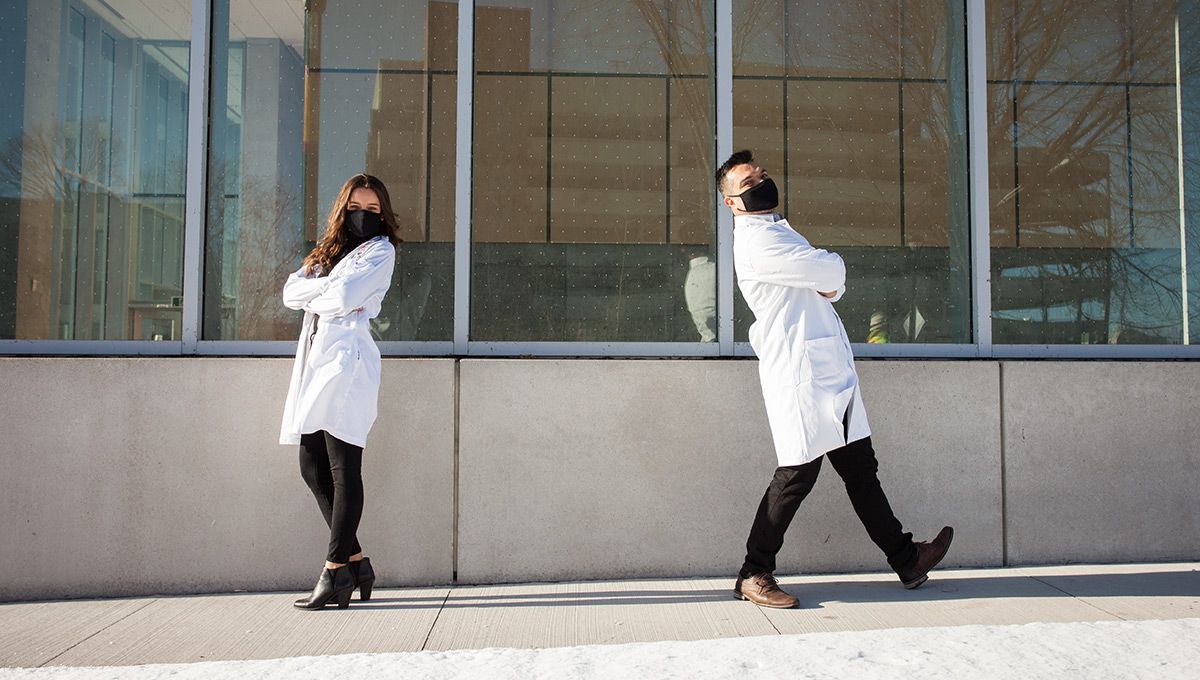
[740, 596]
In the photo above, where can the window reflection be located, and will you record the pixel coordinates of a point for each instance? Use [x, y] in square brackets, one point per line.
[859, 110]
[369, 90]
[380, 94]
[92, 168]
[253, 226]
[1084, 173]
[592, 161]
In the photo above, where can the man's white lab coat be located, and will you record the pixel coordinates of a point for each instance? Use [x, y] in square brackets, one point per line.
[335, 379]
[805, 362]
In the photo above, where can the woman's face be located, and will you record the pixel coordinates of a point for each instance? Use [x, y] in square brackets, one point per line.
[363, 198]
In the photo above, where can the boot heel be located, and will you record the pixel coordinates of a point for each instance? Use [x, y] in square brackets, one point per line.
[364, 577]
[343, 598]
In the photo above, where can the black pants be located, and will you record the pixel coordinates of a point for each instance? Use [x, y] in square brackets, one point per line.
[858, 468]
[333, 470]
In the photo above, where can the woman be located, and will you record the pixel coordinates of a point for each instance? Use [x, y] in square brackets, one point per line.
[334, 392]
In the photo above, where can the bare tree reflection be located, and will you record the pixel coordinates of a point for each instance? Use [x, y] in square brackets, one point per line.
[1081, 130]
[268, 250]
[1086, 191]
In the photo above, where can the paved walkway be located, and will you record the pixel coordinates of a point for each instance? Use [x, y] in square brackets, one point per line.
[265, 626]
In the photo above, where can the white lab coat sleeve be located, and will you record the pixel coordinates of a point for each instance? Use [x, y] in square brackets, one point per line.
[360, 282]
[796, 264]
[300, 288]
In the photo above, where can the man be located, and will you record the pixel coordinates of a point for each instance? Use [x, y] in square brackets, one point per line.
[809, 385]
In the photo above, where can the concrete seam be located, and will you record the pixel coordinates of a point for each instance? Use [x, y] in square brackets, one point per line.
[89, 637]
[768, 618]
[433, 625]
[1079, 599]
[1003, 472]
[454, 520]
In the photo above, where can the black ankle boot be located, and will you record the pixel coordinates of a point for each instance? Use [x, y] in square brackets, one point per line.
[334, 584]
[364, 577]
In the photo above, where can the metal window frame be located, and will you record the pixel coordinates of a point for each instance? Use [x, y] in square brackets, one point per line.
[196, 199]
[979, 208]
[724, 96]
[462, 177]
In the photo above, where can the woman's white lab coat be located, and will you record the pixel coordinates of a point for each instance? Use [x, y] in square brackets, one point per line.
[805, 363]
[335, 379]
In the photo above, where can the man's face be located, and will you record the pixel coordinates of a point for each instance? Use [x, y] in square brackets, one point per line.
[738, 180]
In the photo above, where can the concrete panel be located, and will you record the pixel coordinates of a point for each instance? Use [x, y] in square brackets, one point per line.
[953, 597]
[606, 468]
[609, 469]
[1129, 592]
[408, 472]
[36, 633]
[133, 476]
[593, 612]
[1101, 461]
[935, 426]
[256, 626]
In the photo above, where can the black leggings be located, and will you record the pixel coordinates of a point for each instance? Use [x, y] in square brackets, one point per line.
[333, 470]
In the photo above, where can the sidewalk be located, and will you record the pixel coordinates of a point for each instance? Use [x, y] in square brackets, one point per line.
[244, 626]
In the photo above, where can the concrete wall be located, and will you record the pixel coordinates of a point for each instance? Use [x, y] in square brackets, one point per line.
[134, 476]
[131, 476]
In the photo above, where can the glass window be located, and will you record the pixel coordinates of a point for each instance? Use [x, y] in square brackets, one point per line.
[1085, 172]
[859, 109]
[592, 201]
[94, 133]
[372, 90]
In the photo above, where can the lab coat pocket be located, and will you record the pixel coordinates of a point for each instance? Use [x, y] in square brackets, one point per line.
[330, 366]
[825, 364]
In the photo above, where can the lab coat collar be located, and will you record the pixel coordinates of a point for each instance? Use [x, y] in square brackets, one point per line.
[764, 218]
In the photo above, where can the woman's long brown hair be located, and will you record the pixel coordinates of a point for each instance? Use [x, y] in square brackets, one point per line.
[336, 233]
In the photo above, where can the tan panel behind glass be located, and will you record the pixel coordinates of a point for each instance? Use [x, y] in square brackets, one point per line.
[844, 162]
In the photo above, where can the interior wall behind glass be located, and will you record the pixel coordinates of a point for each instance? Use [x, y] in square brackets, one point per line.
[93, 131]
[592, 203]
[858, 109]
[1085, 182]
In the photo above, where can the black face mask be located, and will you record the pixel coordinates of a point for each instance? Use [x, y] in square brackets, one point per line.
[363, 224]
[761, 196]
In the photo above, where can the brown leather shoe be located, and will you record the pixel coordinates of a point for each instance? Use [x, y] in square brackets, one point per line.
[928, 555]
[763, 590]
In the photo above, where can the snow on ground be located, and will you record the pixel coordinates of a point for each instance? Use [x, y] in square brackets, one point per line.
[1161, 650]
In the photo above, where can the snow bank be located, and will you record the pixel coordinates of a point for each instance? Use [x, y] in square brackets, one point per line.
[1142, 649]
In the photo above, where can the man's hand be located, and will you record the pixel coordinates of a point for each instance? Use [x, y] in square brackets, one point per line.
[828, 295]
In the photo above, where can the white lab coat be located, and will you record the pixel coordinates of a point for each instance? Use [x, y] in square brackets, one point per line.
[804, 357]
[335, 378]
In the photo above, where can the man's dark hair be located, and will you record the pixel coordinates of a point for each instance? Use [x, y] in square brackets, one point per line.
[740, 158]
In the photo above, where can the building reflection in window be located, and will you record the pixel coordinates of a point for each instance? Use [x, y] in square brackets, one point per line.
[92, 168]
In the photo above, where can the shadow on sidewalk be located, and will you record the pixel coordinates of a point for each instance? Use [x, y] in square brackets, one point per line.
[942, 586]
